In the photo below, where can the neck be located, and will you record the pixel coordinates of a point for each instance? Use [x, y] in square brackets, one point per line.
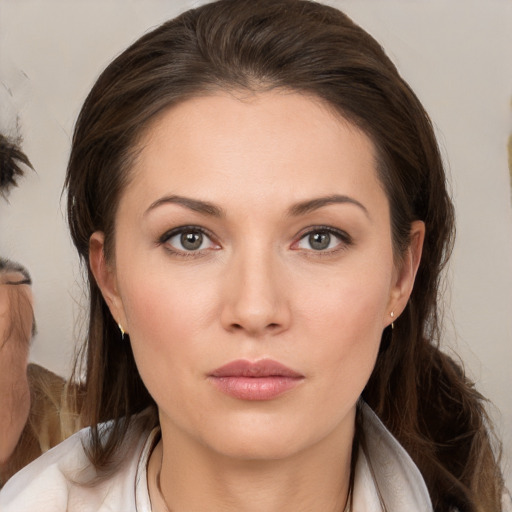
[192, 478]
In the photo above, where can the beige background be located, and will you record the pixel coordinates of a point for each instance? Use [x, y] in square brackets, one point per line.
[457, 56]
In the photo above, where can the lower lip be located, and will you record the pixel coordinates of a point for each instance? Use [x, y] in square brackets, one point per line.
[255, 388]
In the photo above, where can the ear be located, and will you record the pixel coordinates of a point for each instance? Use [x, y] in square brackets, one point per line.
[405, 274]
[105, 276]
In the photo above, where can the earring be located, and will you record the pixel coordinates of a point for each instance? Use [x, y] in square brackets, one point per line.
[122, 330]
[392, 315]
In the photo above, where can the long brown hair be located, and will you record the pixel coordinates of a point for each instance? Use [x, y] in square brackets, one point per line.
[420, 394]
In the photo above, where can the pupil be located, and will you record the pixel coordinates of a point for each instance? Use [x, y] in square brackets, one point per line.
[191, 241]
[320, 241]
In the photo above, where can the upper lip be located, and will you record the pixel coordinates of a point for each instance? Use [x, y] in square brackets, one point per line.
[261, 368]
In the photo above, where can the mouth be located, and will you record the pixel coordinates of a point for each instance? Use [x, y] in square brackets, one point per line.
[260, 380]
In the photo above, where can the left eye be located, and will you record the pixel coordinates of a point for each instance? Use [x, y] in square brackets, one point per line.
[188, 240]
[320, 240]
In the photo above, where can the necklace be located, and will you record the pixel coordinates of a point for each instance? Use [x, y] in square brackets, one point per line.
[159, 489]
[166, 508]
[161, 502]
[154, 468]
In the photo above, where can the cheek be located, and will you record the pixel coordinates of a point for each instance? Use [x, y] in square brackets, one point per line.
[163, 320]
[159, 303]
[345, 320]
[348, 303]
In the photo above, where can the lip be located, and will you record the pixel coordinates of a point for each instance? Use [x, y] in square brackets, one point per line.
[260, 380]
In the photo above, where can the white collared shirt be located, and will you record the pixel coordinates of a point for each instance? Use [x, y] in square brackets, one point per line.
[51, 483]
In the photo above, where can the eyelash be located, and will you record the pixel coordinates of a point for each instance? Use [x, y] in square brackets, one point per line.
[344, 238]
[164, 239]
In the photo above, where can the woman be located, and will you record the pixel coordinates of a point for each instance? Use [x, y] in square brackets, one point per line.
[34, 413]
[34, 402]
[262, 207]
[33, 417]
[16, 325]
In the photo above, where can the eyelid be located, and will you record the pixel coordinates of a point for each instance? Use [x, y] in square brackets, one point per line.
[345, 239]
[163, 239]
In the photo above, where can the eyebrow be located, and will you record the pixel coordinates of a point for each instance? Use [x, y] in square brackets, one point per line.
[314, 204]
[296, 210]
[195, 205]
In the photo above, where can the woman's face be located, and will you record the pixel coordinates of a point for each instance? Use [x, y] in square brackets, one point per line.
[254, 271]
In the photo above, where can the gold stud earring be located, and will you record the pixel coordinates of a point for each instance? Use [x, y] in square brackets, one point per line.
[392, 315]
[122, 330]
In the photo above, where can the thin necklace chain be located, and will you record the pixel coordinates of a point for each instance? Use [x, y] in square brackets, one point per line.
[159, 488]
[167, 509]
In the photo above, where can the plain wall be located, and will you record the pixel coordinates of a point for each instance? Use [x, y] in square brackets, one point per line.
[456, 55]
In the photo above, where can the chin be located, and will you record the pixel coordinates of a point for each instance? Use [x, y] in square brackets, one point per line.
[257, 448]
[260, 439]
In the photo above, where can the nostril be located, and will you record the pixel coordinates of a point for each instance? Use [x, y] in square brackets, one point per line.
[239, 327]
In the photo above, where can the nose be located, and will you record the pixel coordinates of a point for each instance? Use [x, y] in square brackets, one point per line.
[255, 299]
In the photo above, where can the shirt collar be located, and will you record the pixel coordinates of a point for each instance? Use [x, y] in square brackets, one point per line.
[386, 474]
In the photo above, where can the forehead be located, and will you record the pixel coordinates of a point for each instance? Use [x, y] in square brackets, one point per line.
[250, 144]
[282, 114]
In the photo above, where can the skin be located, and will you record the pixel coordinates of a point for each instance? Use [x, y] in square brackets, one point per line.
[14, 349]
[255, 289]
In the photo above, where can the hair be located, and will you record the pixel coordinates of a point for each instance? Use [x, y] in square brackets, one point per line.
[421, 395]
[49, 421]
[12, 160]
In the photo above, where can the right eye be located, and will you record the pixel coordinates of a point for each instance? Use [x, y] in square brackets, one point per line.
[188, 240]
[323, 240]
